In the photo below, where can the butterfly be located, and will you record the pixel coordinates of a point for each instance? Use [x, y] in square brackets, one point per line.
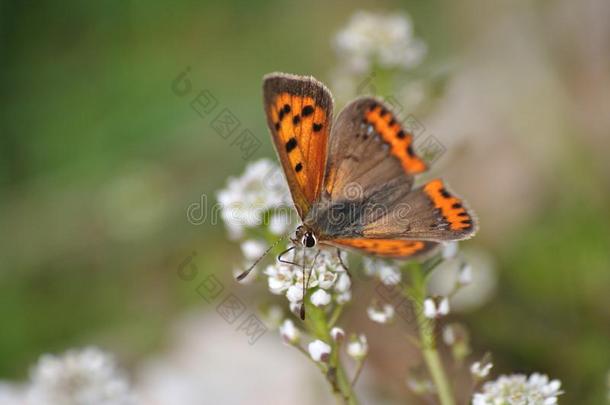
[352, 180]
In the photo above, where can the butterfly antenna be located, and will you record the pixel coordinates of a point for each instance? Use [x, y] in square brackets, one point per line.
[245, 273]
[306, 283]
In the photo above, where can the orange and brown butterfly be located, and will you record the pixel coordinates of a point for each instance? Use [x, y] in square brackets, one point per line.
[352, 179]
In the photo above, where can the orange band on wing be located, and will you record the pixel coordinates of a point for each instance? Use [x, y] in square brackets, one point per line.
[385, 247]
[451, 207]
[400, 141]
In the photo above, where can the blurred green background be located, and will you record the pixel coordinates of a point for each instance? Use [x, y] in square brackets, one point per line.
[99, 161]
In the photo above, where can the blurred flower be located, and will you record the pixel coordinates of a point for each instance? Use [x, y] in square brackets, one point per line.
[253, 249]
[436, 307]
[11, 394]
[480, 370]
[420, 386]
[456, 337]
[342, 288]
[464, 274]
[319, 351]
[380, 314]
[79, 377]
[450, 250]
[373, 39]
[204, 358]
[320, 298]
[480, 271]
[245, 199]
[289, 332]
[273, 316]
[387, 272]
[279, 223]
[343, 283]
[337, 334]
[518, 389]
[358, 347]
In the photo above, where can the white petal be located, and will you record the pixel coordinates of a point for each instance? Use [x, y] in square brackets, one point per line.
[443, 306]
[358, 348]
[429, 308]
[295, 293]
[337, 333]
[320, 298]
[289, 332]
[450, 250]
[318, 350]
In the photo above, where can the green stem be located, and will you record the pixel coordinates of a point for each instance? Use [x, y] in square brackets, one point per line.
[417, 293]
[318, 324]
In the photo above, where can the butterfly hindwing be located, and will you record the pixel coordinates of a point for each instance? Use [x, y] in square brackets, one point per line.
[430, 212]
[390, 248]
[299, 114]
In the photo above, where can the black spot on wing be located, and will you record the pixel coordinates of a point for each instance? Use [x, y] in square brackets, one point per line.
[291, 144]
[307, 111]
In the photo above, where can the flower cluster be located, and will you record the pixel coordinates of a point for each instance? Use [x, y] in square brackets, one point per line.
[246, 199]
[376, 39]
[79, 377]
[322, 274]
[519, 389]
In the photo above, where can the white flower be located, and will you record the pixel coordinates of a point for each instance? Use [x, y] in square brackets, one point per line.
[387, 272]
[464, 274]
[246, 198]
[320, 298]
[383, 314]
[344, 297]
[343, 283]
[279, 223]
[480, 369]
[319, 351]
[358, 347]
[253, 249]
[386, 40]
[279, 277]
[11, 394]
[79, 377]
[289, 332]
[326, 277]
[480, 271]
[436, 307]
[450, 250]
[518, 389]
[295, 293]
[337, 334]
[449, 335]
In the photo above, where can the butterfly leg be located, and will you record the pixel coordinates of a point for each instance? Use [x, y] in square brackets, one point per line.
[279, 257]
[343, 264]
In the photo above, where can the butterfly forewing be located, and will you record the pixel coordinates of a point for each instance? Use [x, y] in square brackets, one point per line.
[299, 114]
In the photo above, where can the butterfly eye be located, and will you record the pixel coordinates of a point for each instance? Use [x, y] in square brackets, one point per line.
[309, 240]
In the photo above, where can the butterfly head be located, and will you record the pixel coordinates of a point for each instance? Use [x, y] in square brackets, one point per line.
[305, 237]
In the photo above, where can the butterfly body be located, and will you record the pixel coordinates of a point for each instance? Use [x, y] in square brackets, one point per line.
[352, 180]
